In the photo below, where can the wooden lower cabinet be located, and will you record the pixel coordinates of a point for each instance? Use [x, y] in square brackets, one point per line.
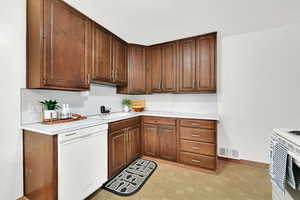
[117, 145]
[134, 143]
[188, 141]
[150, 140]
[159, 140]
[124, 144]
[167, 142]
[198, 143]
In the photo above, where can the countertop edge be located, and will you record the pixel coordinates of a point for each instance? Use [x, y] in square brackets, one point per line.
[27, 127]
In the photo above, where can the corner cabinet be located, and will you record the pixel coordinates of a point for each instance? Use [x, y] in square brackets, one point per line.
[119, 61]
[136, 71]
[169, 66]
[59, 46]
[154, 71]
[109, 58]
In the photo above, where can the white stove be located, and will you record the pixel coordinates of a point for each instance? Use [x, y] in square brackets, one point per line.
[292, 142]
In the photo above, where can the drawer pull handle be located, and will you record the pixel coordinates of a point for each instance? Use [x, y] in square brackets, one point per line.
[196, 161]
[195, 135]
[197, 148]
[67, 135]
[193, 124]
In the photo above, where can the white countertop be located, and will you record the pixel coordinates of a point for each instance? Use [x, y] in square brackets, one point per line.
[90, 121]
[284, 132]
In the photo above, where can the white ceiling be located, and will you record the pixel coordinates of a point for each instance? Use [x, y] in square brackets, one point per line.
[153, 21]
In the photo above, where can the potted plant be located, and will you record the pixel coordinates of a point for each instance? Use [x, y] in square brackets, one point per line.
[126, 103]
[49, 109]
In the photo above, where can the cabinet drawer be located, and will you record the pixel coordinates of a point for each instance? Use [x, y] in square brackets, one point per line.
[198, 147]
[198, 160]
[207, 124]
[202, 135]
[160, 120]
[114, 126]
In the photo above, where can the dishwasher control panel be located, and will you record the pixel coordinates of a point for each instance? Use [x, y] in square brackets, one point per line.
[82, 132]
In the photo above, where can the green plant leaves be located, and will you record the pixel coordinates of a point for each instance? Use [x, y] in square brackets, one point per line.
[50, 104]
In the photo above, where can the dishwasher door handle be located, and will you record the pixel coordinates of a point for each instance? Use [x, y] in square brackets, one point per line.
[78, 139]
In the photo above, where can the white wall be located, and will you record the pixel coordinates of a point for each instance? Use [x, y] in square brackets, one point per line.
[12, 78]
[259, 88]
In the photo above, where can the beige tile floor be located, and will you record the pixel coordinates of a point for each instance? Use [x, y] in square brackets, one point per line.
[169, 182]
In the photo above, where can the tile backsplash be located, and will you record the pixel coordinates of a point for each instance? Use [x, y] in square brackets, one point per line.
[88, 103]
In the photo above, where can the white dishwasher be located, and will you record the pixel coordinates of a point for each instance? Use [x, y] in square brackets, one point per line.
[82, 162]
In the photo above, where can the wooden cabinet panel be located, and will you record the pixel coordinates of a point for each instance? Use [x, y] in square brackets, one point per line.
[59, 46]
[198, 147]
[114, 126]
[68, 46]
[133, 143]
[154, 60]
[119, 61]
[151, 140]
[186, 66]
[198, 160]
[205, 64]
[136, 71]
[196, 134]
[40, 166]
[167, 142]
[102, 55]
[159, 120]
[117, 151]
[124, 144]
[194, 123]
[169, 67]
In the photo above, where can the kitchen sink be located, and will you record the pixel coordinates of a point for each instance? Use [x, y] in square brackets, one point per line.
[112, 115]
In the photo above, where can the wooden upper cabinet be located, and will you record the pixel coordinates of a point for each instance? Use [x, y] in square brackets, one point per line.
[167, 142]
[169, 66]
[196, 69]
[102, 55]
[59, 46]
[119, 61]
[154, 58]
[136, 71]
[205, 63]
[187, 64]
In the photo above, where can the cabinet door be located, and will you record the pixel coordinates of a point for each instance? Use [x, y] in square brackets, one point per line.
[167, 142]
[205, 65]
[119, 61]
[187, 65]
[134, 143]
[151, 140]
[136, 69]
[154, 63]
[117, 151]
[68, 46]
[102, 55]
[169, 67]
